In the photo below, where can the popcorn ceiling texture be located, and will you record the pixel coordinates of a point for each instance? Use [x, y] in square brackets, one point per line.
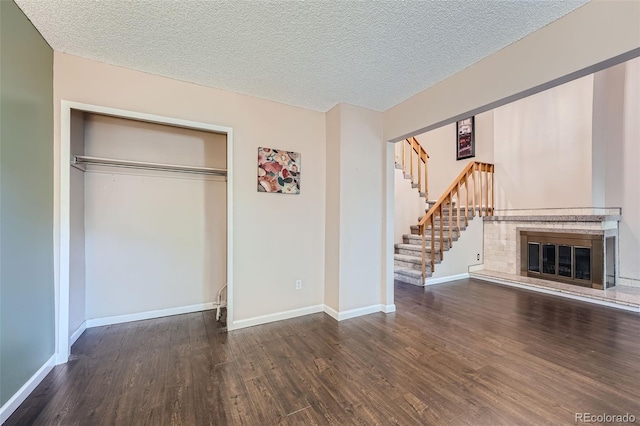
[312, 54]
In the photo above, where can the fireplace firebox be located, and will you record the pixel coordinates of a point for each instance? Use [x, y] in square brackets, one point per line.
[571, 258]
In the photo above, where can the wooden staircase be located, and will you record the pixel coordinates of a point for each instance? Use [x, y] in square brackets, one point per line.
[408, 254]
[469, 195]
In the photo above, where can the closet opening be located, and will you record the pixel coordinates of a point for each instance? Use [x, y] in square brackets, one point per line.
[145, 220]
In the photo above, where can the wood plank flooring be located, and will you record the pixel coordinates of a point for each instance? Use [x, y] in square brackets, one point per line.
[462, 353]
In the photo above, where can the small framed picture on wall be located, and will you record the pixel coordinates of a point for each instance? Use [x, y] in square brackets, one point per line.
[465, 139]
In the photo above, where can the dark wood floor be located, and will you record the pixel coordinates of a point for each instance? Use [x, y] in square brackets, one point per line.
[460, 353]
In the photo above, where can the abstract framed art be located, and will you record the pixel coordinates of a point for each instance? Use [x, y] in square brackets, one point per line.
[465, 139]
[278, 171]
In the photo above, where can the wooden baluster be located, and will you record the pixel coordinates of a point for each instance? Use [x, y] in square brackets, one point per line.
[419, 175]
[489, 189]
[404, 144]
[473, 192]
[466, 206]
[458, 203]
[424, 254]
[488, 168]
[479, 194]
[493, 188]
[450, 218]
[411, 159]
[486, 177]
[481, 185]
[433, 243]
[426, 178]
[441, 233]
[483, 188]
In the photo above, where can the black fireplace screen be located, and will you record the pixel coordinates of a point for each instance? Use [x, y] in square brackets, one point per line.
[562, 257]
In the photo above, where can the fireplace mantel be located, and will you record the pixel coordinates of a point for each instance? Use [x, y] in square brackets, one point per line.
[555, 219]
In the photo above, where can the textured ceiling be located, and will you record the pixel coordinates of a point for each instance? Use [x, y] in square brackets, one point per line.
[312, 54]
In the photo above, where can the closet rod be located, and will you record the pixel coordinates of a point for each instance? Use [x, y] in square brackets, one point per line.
[98, 161]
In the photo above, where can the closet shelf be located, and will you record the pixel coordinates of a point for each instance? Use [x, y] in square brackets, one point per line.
[111, 162]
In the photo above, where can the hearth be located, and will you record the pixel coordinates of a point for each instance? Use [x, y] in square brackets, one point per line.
[572, 258]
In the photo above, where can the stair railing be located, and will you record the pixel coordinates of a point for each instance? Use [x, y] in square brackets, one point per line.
[419, 157]
[478, 183]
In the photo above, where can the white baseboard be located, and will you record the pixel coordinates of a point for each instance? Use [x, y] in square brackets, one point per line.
[118, 319]
[18, 398]
[387, 309]
[432, 281]
[352, 313]
[558, 293]
[76, 334]
[264, 319]
[331, 312]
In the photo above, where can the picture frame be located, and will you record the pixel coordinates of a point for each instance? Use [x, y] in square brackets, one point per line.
[465, 139]
[278, 171]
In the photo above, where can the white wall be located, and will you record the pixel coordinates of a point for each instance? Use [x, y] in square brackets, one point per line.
[630, 225]
[278, 238]
[615, 130]
[464, 253]
[542, 148]
[409, 206]
[154, 240]
[77, 286]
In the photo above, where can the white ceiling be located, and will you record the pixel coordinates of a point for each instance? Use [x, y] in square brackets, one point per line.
[312, 54]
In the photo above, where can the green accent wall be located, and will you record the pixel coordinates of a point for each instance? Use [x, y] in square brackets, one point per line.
[27, 311]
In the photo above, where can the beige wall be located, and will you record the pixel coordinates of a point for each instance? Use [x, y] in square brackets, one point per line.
[278, 238]
[154, 240]
[615, 132]
[542, 148]
[630, 225]
[535, 143]
[440, 144]
[595, 32]
[360, 207]
[354, 208]
[332, 230]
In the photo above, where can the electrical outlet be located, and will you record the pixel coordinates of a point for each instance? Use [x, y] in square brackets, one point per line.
[298, 284]
[478, 257]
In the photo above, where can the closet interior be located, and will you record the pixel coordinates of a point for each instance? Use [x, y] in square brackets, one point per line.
[148, 225]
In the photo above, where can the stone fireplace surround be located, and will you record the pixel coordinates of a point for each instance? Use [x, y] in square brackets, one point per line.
[502, 231]
[502, 250]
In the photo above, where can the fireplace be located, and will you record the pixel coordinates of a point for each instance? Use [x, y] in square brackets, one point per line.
[571, 258]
